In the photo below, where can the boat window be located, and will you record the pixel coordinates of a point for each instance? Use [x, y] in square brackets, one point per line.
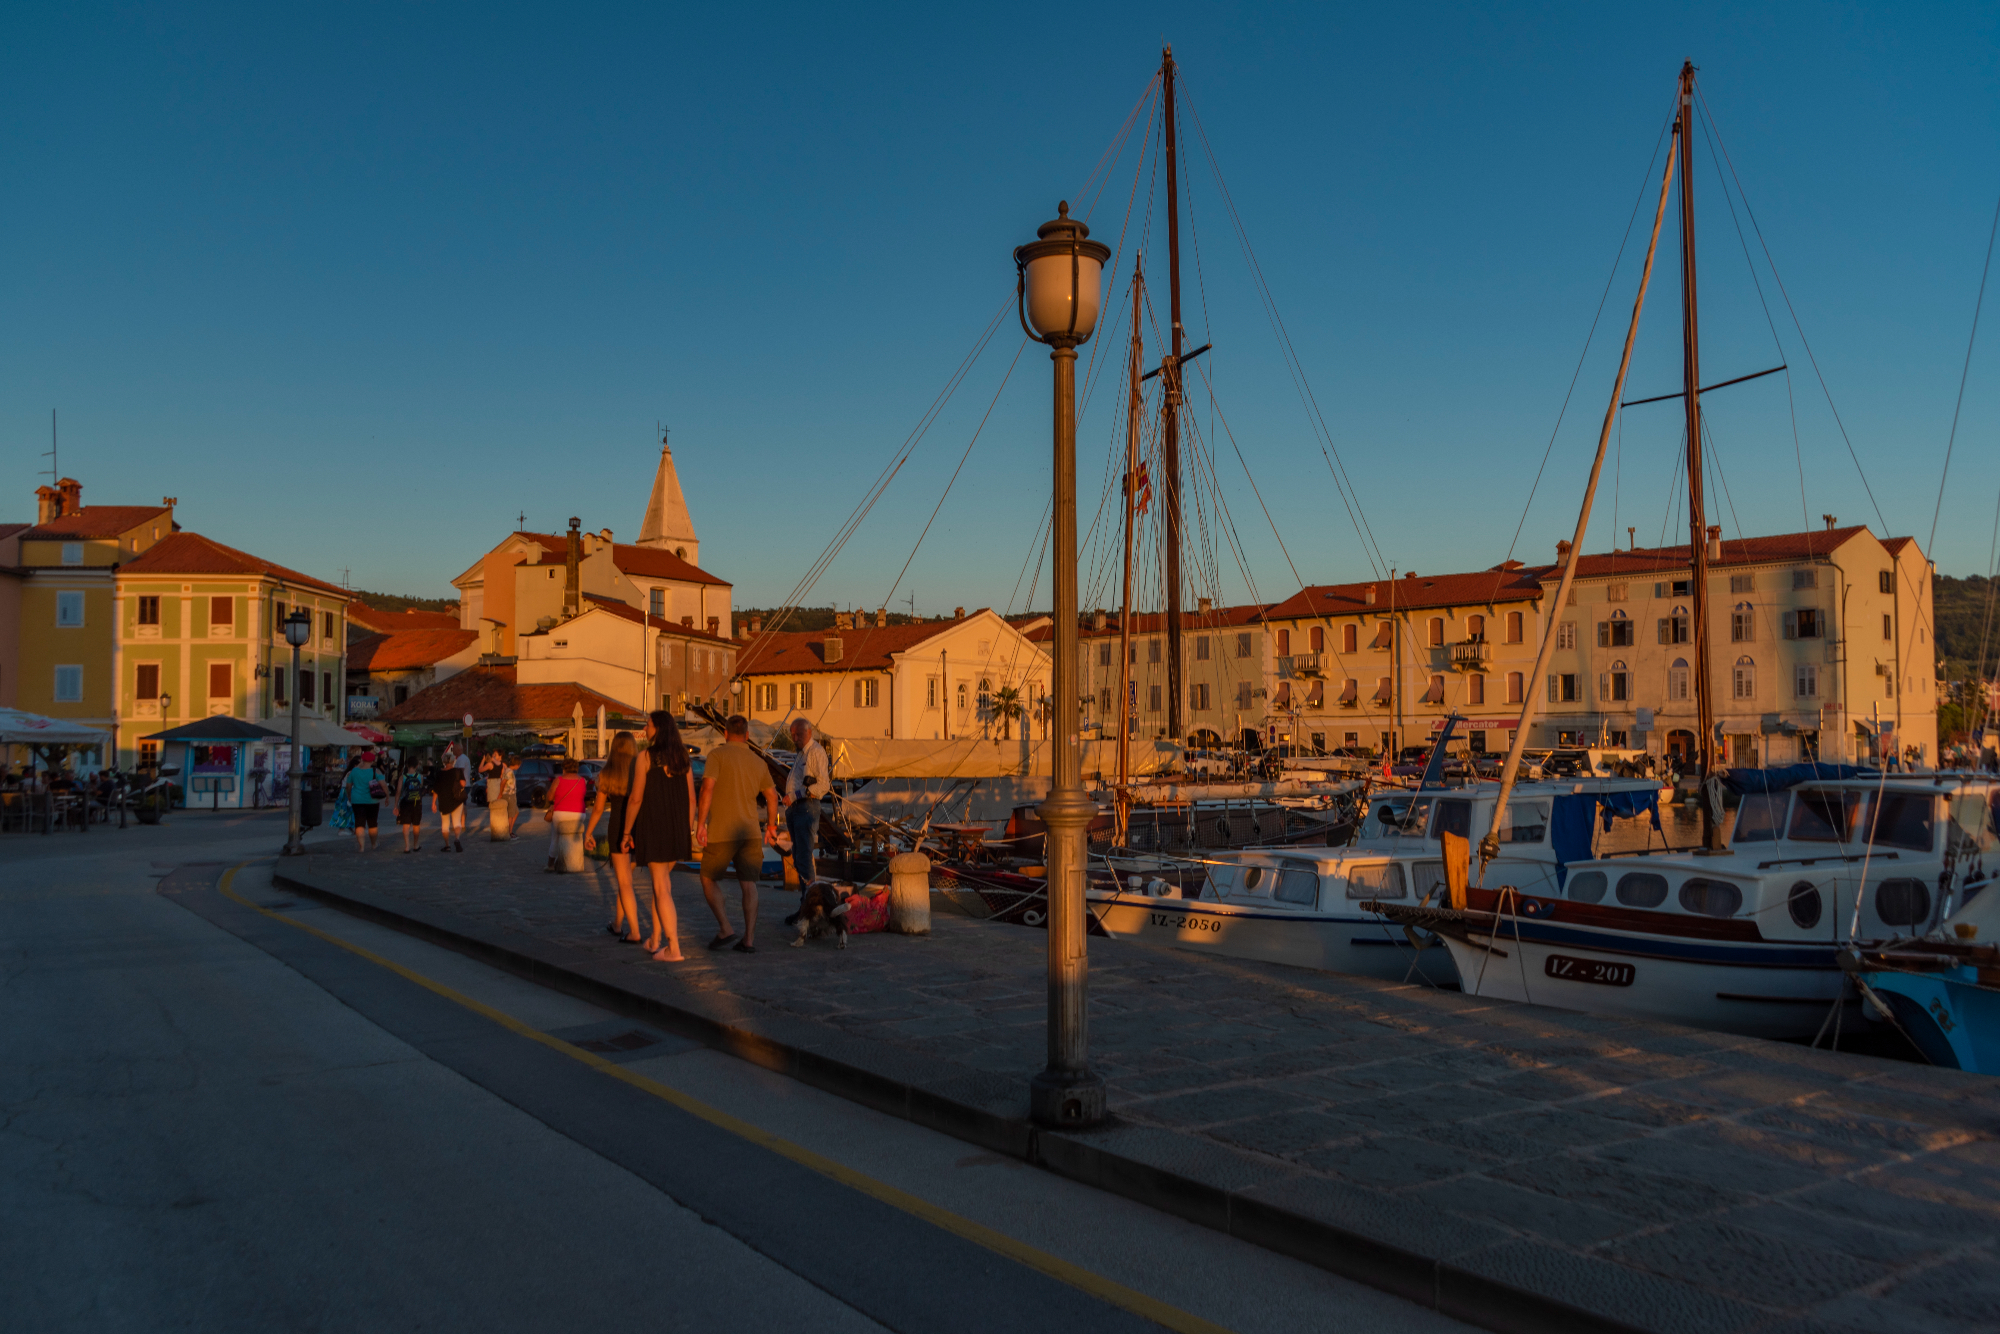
[1222, 879]
[1642, 889]
[1969, 826]
[1385, 817]
[1452, 817]
[1904, 820]
[1823, 816]
[1295, 886]
[1710, 898]
[1527, 822]
[1805, 904]
[1761, 817]
[1902, 902]
[1257, 880]
[1383, 880]
[1587, 887]
[1430, 879]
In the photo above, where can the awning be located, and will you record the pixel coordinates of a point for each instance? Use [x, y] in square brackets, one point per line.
[221, 727]
[21, 728]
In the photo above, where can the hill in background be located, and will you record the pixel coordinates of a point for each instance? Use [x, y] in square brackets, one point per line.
[397, 602]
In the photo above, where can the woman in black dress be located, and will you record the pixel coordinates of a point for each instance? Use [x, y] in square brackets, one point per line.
[659, 824]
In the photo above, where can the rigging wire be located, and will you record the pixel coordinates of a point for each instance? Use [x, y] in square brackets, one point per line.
[1645, 180]
[1791, 401]
[1315, 418]
[1723, 148]
[1964, 373]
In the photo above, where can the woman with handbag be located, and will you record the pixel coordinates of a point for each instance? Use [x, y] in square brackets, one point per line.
[365, 789]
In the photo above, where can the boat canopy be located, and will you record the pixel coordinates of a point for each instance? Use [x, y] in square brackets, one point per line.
[1791, 775]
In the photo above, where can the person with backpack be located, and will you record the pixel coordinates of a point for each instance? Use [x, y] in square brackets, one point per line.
[364, 789]
[410, 806]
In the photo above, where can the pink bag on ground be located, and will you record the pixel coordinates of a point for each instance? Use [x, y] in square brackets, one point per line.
[867, 912]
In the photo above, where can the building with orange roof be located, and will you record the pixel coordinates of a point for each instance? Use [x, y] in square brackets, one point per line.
[195, 630]
[499, 702]
[384, 670]
[363, 619]
[644, 662]
[975, 675]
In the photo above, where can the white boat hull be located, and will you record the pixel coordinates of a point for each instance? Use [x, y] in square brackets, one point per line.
[1359, 944]
[1631, 978]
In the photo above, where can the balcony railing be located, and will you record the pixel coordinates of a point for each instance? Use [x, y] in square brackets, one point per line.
[1301, 664]
[1471, 656]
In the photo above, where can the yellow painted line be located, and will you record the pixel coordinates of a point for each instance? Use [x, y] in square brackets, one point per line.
[1076, 1276]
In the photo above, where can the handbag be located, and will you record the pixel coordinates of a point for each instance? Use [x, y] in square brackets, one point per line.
[377, 789]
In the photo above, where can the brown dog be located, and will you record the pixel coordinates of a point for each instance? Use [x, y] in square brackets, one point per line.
[823, 908]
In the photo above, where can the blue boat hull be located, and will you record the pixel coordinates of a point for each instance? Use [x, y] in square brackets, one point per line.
[1955, 1023]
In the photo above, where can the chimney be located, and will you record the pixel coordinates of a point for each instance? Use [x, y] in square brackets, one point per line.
[1097, 620]
[1204, 605]
[1715, 541]
[715, 626]
[830, 649]
[48, 504]
[1409, 574]
[958, 613]
[71, 491]
[1562, 555]
[756, 625]
[573, 571]
[605, 534]
[881, 618]
[1830, 521]
[1371, 595]
[688, 622]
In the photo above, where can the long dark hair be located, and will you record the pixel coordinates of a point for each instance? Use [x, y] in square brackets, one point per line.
[615, 779]
[668, 751]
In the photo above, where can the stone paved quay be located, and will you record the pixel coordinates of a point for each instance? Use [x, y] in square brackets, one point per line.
[1519, 1168]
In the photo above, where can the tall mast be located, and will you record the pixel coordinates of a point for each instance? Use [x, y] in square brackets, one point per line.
[1170, 416]
[1122, 797]
[1704, 756]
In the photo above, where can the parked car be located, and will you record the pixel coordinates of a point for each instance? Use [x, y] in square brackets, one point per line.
[1209, 763]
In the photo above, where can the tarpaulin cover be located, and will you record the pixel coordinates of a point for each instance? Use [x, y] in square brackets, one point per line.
[1627, 804]
[1791, 775]
[1570, 820]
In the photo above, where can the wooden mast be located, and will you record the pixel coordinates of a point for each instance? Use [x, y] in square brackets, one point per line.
[1704, 754]
[1122, 796]
[1170, 424]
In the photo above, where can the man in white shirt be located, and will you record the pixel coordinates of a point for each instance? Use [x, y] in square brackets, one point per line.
[809, 781]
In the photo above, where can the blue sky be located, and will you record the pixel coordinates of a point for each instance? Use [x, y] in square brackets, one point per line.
[360, 283]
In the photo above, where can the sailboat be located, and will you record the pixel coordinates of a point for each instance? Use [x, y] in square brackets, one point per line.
[1749, 938]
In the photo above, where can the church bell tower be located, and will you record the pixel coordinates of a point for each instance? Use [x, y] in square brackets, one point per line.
[667, 526]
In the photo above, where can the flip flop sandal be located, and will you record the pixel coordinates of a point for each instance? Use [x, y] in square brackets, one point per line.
[722, 942]
[742, 948]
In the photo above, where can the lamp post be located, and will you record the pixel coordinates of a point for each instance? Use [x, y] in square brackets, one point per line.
[298, 629]
[1057, 286]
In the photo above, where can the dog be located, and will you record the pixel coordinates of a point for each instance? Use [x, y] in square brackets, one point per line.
[823, 908]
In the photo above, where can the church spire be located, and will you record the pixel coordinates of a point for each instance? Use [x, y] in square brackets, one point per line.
[667, 526]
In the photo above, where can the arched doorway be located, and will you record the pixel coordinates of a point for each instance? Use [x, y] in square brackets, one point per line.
[1251, 739]
[1680, 742]
[1204, 739]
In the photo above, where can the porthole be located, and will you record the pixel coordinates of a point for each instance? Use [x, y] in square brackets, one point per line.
[1805, 905]
[1587, 887]
[1253, 877]
[1642, 889]
[1710, 898]
[1902, 902]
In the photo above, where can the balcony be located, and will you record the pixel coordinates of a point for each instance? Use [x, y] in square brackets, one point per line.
[1471, 656]
[1299, 665]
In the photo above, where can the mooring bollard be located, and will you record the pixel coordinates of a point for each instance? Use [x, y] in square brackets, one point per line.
[910, 894]
[569, 837]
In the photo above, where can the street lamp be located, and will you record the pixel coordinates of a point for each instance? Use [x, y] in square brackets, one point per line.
[298, 629]
[1058, 279]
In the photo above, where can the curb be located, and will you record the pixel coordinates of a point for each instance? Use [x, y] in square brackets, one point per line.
[1426, 1279]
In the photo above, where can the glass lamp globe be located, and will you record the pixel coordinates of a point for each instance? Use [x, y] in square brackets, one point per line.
[1062, 277]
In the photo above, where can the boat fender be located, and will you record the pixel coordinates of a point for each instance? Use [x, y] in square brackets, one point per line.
[1160, 889]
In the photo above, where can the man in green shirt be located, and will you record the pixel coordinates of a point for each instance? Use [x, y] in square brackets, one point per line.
[733, 776]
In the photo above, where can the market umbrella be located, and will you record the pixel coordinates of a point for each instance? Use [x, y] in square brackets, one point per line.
[20, 728]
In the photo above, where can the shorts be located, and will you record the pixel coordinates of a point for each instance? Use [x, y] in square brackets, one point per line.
[365, 813]
[746, 854]
[409, 812]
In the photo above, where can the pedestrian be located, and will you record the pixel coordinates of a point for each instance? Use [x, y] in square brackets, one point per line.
[659, 825]
[614, 785]
[448, 800]
[809, 780]
[733, 778]
[510, 793]
[410, 806]
[364, 789]
[492, 769]
[565, 811]
[343, 808]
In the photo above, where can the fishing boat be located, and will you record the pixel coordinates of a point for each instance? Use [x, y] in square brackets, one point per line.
[1745, 938]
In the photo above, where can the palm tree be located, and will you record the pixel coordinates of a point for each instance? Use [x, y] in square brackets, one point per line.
[1007, 707]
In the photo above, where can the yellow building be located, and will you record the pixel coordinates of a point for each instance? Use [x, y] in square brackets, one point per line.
[199, 633]
[66, 649]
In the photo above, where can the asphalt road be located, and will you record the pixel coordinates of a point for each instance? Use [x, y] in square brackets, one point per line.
[226, 1108]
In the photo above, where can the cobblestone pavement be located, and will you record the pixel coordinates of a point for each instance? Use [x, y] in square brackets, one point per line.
[1665, 1178]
